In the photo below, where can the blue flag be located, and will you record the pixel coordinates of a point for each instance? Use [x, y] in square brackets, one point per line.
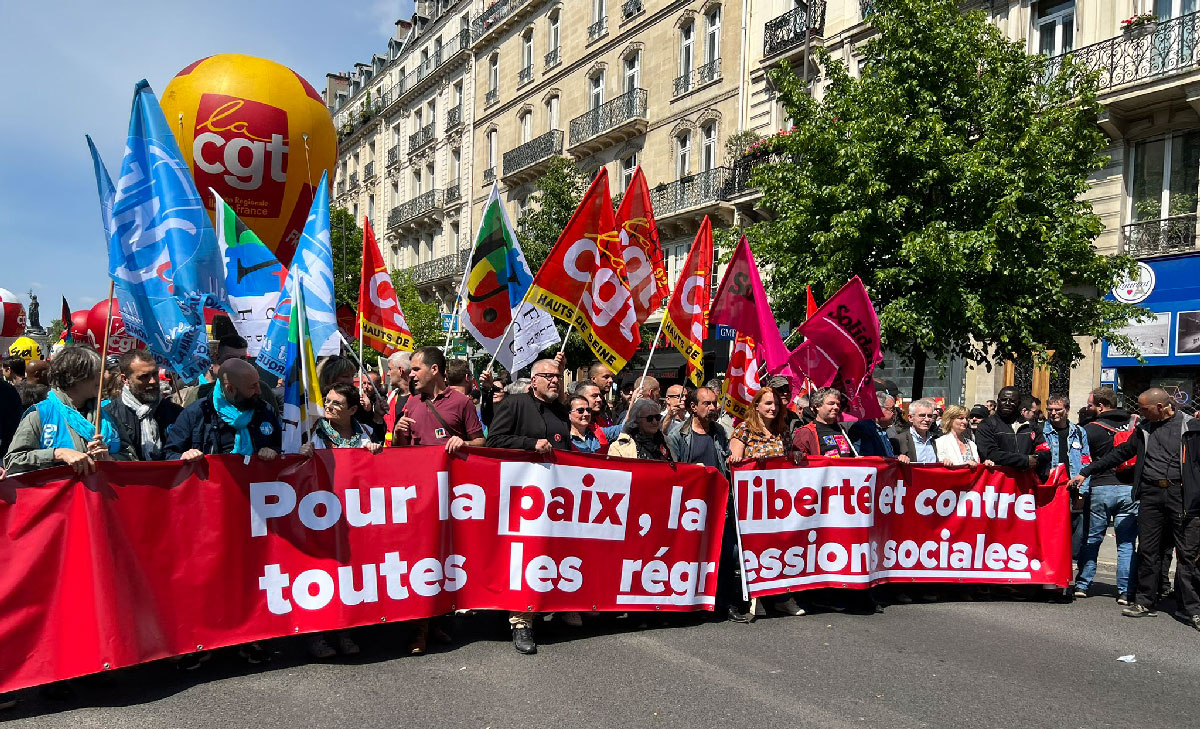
[312, 269]
[162, 249]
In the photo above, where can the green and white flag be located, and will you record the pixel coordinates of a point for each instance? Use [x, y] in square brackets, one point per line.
[253, 275]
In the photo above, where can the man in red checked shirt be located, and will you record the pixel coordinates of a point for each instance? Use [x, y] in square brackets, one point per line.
[436, 414]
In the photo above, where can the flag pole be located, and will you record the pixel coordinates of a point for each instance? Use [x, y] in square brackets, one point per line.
[103, 356]
[302, 418]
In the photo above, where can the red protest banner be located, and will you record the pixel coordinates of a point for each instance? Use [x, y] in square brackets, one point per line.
[857, 522]
[146, 560]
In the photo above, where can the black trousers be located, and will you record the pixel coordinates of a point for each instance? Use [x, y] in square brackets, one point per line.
[1161, 526]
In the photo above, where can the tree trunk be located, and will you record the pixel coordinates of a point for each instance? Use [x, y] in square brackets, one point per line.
[918, 381]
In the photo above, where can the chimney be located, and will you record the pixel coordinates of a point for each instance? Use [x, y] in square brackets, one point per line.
[402, 28]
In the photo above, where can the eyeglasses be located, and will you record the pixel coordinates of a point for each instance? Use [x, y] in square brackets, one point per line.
[674, 397]
[652, 417]
[707, 402]
[549, 376]
[581, 411]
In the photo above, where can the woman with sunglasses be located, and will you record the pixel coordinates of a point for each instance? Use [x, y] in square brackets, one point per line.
[642, 435]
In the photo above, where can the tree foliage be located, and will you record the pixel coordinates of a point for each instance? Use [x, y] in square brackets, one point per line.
[948, 177]
[424, 319]
[346, 240]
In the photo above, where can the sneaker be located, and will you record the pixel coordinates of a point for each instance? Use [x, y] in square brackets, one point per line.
[1123, 599]
[789, 607]
[523, 640]
[319, 648]
[1195, 621]
[1080, 594]
[1138, 611]
[572, 619]
[347, 646]
[254, 654]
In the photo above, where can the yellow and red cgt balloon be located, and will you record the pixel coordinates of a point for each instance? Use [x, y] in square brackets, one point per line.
[258, 134]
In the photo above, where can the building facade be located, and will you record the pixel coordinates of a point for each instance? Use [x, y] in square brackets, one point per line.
[664, 84]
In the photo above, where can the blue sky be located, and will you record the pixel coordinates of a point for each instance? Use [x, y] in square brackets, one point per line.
[69, 69]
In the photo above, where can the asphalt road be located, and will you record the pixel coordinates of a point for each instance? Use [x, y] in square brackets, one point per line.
[946, 664]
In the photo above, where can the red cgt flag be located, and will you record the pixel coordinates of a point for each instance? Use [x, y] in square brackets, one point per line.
[583, 280]
[640, 247]
[383, 324]
[741, 379]
[686, 323]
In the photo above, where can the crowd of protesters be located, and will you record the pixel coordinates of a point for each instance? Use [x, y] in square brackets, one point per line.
[1137, 473]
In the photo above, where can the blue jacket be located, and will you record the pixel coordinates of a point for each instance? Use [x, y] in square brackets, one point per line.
[199, 427]
[870, 440]
[1079, 453]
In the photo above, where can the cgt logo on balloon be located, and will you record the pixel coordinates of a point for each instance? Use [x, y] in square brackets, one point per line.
[240, 148]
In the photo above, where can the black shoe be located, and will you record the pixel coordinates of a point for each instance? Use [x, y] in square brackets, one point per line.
[1137, 610]
[254, 654]
[523, 640]
[736, 616]
[192, 661]
[7, 702]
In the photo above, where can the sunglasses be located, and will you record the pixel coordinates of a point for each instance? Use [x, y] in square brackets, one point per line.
[652, 418]
[581, 411]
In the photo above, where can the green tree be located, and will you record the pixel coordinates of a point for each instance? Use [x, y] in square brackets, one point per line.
[346, 240]
[948, 177]
[55, 329]
[424, 320]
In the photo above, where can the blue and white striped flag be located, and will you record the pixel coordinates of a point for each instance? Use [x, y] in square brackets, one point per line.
[312, 268]
[162, 249]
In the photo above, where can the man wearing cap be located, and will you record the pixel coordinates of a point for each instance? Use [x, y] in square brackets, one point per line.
[978, 414]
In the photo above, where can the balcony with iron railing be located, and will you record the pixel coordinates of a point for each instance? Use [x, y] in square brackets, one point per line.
[440, 268]
[630, 9]
[616, 121]
[696, 193]
[422, 209]
[1140, 55]
[500, 15]
[1176, 234]
[341, 188]
[393, 155]
[491, 97]
[429, 70]
[698, 77]
[598, 30]
[489, 175]
[789, 31]
[353, 180]
[453, 192]
[525, 162]
[554, 57]
[369, 171]
[421, 137]
[525, 75]
[454, 117]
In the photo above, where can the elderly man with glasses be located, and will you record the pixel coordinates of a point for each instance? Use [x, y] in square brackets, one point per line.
[916, 441]
[533, 421]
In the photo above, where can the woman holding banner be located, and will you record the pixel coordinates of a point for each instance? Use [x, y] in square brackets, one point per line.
[763, 433]
[60, 429]
[642, 436]
[955, 448]
[338, 429]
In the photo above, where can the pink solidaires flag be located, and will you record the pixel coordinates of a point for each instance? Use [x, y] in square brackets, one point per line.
[841, 347]
[741, 303]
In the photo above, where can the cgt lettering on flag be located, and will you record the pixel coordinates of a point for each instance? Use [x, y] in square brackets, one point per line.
[563, 501]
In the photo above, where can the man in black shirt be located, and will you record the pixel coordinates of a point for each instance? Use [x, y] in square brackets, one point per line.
[1167, 484]
[536, 421]
[1007, 440]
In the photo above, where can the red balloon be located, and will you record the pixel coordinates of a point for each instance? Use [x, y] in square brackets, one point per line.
[79, 328]
[119, 342]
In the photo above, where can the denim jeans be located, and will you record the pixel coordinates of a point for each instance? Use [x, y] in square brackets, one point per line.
[1110, 503]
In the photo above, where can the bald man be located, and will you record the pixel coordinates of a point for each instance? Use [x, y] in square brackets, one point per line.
[234, 418]
[1166, 482]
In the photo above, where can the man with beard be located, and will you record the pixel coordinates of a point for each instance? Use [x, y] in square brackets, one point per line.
[141, 414]
[233, 419]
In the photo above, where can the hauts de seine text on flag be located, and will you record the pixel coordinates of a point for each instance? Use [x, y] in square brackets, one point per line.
[686, 321]
[383, 325]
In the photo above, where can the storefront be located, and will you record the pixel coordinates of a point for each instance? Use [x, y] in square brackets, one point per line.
[1169, 288]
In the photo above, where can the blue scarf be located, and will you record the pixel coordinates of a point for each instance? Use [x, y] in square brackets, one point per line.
[235, 418]
[57, 416]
